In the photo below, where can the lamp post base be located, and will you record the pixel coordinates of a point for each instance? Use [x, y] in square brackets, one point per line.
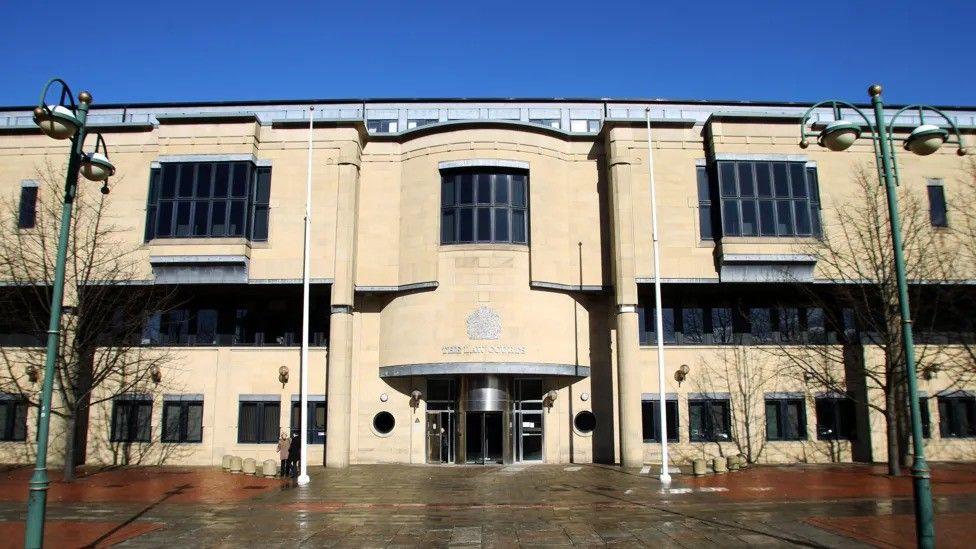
[303, 479]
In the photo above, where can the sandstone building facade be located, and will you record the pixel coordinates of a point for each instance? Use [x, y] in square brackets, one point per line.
[482, 282]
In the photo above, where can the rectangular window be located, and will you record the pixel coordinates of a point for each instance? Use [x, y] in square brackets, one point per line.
[835, 418]
[131, 420]
[258, 422]
[27, 213]
[647, 323]
[709, 420]
[723, 328]
[381, 125]
[786, 419]
[957, 416]
[747, 191]
[550, 122]
[208, 199]
[923, 408]
[651, 420]
[760, 324]
[420, 122]
[13, 418]
[481, 206]
[938, 213]
[692, 325]
[316, 421]
[704, 204]
[584, 126]
[183, 421]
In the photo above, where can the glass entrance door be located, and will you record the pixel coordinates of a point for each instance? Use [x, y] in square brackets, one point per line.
[484, 437]
[528, 436]
[528, 430]
[440, 436]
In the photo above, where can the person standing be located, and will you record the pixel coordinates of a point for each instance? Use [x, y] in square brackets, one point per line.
[283, 446]
[294, 454]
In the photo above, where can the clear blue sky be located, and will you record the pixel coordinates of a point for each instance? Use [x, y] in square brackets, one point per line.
[789, 50]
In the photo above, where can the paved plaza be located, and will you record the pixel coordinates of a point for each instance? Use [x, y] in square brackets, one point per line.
[502, 506]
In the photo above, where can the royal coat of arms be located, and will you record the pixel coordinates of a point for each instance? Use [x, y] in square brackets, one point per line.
[484, 323]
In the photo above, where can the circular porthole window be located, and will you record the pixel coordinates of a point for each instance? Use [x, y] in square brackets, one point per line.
[585, 422]
[383, 423]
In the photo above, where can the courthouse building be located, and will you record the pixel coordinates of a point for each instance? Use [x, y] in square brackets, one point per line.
[482, 282]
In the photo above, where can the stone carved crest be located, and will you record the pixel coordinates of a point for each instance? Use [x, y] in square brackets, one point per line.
[484, 323]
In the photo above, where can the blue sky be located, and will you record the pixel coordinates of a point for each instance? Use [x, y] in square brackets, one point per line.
[706, 49]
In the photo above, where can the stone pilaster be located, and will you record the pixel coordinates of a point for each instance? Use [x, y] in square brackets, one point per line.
[340, 357]
[625, 287]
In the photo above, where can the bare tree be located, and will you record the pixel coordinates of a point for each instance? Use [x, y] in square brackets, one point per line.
[99, 352]
[746, 375]
[861, 306]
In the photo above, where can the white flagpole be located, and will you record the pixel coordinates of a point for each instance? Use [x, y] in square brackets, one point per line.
[306, 261]
[659, 320]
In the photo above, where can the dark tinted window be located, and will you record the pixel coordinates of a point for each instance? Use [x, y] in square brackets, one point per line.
[786, 419]
[937, 206]
[316, 421]
[131, 420]
[182, 421]
[258, 422]
[835, 418]
[27, 214]
[747, 190]
[957, 416]
[709, 420]
[651, 420]
[13, 418]
[208, 199]
[482, 206]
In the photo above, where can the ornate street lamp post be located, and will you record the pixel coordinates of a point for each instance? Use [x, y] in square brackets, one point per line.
[839, 135]
[65, 120]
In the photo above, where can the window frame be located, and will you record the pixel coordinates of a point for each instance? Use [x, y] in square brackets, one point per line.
[454, 206]
[948, 406]
[938, 187]
[782, 405]
[674, 420]
[133, 432]
[709, 432]
[255, 208]
[14, 427]
[311, 434]
[262, 407]
[838, 427]
[733, 196]
[183, 409]
[27, 205]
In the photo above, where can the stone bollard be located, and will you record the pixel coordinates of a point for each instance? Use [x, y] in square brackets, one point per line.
[235, 464]
[249, 466]
[270, 468]
[225, 462]
[720, 465]
[733, 463]
[743, 462]
[699, 467]
[259, 470]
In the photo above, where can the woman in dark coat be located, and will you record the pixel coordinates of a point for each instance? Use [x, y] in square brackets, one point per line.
[294, 454]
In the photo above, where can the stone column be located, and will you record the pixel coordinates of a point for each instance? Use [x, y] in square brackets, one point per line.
[339, 378]
[625, 286]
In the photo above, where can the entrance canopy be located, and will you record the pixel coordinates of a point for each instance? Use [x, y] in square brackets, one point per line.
[457, 368]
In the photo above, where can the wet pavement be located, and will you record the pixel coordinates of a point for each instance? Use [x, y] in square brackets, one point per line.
[528, 506]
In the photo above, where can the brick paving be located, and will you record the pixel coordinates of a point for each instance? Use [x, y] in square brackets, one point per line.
[512, 506]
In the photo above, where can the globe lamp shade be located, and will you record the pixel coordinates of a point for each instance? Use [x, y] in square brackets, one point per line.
[926, 139]
[839, 135]
[96, 167]
[57, 122]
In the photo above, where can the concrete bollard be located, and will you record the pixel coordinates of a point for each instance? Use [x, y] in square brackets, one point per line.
[225, 462]
[235, 464]
[259, 470]
[699, 467]
[720, 465]
[743, 462]
[270, 468]
[249, 466]
[732, 463]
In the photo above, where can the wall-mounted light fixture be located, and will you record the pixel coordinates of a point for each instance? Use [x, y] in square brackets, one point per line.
[283, 376]
[155, 374]
[32, 374]
[415, 398]
[584, 396]
[549, 399]
[681, 373]
[384, 397]
[930, 371]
